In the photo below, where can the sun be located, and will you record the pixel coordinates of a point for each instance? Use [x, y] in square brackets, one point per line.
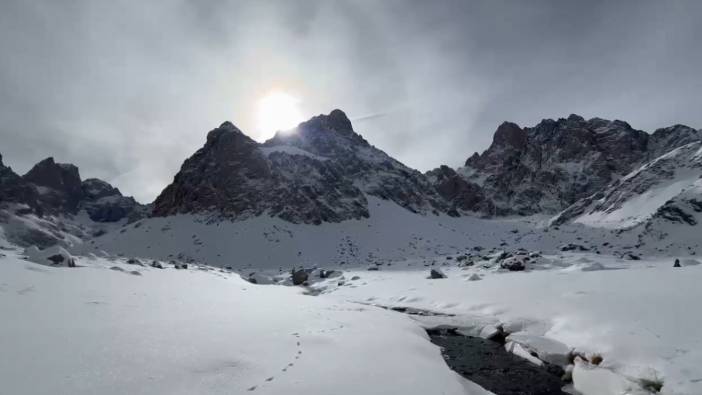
[277, 111]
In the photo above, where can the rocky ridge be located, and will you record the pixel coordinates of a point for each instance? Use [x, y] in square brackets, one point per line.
[548, 167]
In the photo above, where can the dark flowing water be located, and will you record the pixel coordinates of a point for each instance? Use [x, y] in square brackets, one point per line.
[487, 363]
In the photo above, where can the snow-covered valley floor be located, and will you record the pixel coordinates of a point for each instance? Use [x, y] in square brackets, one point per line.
[97, 330]
[103, 328]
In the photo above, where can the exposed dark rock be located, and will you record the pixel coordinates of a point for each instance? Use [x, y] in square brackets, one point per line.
[436, 274]
[56, 259]
[58, 184]
[134, 261]
[105, 203]
[677, 263]
[14, 189]
[462, 195]
[299, 276]
[514, 263]
[573, 247]
[673, 213]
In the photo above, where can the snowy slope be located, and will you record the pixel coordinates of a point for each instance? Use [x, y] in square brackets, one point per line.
[636, 197]
[99, 329]
[391, 233]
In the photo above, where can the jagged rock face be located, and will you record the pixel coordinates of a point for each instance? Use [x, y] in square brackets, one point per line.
[665, 139]
[233, 177]
[105, 203]
[371, 170]
[546, 168]
[462, 195]
[56, 188]
[14, 189]
[664, 189]
[58, 184]
[318, 172]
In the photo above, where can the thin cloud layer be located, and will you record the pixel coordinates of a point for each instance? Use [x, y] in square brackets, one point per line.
[126, 90]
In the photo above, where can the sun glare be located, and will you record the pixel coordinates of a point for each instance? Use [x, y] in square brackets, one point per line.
[277, 111]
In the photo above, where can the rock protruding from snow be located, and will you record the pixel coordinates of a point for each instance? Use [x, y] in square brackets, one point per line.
[299, 276]
[435, 274]
[52, 256]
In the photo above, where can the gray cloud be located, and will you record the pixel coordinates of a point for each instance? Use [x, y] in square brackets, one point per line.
[126, 90]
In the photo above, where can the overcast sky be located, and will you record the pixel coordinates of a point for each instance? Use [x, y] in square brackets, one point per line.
[128, 89]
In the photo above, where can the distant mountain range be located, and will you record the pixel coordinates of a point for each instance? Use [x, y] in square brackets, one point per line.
[324, 172]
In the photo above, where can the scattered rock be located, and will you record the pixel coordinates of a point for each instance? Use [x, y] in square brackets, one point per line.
[436, 274]
[299, 276]
[514, 263]
[157, 265]
[474, 277]
[573, 247]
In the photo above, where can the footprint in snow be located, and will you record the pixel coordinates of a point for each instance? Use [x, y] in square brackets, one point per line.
[285, 369]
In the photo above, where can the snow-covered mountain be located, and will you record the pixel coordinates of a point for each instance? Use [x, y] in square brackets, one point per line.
[546, 168]
[322, 171]
[51, 204]
[371, 206]
[643, 193]
[661, 201]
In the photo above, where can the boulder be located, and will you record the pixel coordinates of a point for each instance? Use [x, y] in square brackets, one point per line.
[299, 276]
[514, 263]
[436, 274]
[52, 256]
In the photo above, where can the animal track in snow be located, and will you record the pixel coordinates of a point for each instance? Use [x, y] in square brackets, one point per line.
[298, 343]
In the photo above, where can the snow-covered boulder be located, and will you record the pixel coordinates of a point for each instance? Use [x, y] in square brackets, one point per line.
[514, 263]
[52, 256]
[259, 278]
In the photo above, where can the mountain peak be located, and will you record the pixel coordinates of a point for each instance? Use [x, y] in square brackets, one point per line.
[339, 120]
[575, 118]
[226, 129]
[511, 135]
